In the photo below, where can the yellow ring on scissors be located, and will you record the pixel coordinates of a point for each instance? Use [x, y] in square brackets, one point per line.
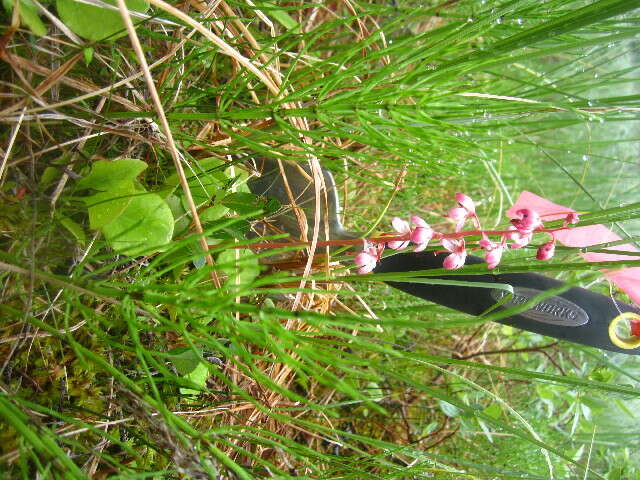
[625, 343]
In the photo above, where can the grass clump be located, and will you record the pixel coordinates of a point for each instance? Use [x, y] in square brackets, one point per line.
[127, 350]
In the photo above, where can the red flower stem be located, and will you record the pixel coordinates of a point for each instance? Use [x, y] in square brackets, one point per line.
[388, 238]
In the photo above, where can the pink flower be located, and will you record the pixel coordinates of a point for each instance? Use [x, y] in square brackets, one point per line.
[571, 219]
[546, 250]
[485, 243]
[400, 226]
[518, 238]
[526, 220]
[458, 253]
[466, 208]
[493, 257]
[466, 203]
[369, 257]
[421, 233]
[493, 251]
[458, 215]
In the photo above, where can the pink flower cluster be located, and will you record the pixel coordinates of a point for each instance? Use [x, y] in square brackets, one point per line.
[417, 231]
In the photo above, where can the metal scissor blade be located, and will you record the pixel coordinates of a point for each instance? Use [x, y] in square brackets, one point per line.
[298, 186]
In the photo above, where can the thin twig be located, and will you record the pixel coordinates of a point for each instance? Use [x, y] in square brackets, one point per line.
[135, 42]
[14, 135]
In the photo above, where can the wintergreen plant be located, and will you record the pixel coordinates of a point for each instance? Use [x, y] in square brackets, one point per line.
[118, 365]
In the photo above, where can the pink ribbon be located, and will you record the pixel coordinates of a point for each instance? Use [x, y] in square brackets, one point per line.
[627, 279]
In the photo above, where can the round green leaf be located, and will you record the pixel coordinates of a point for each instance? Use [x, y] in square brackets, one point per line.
[189, 365]
[241, 266]
[106, 175]
[207, 182]
[97, 23]
[213, 213]
[199, 377]
[182, 221]
[144, 225]
[449, 409]
[244, 203]
[74, 228]
[29, 16]
[184, 359]
[105, 207]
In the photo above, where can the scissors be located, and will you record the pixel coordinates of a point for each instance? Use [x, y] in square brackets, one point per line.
[575, 314]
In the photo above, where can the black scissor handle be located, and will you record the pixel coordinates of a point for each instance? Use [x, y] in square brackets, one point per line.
[577, 315]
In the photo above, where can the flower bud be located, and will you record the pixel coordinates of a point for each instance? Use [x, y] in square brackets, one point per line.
[454, 261]
[571, 219]
[485, 243]
[369, 257]
[397, 245]
[458, 254]
[458, 215]
[546, 250]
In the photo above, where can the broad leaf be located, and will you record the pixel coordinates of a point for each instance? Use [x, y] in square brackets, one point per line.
[105, 207]
[106, 175]
[28, 15]
[97, 23]
[207, 183]
[145, 225]
[246, 203]
[198, 376]
[213, 213]
[191, 367]
[283, 18]
[182, 220]
[241, 266]
[448, 409]
[74, 228]
[185, 360]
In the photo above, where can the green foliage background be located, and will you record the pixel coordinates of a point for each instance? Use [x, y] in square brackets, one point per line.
[121, 360]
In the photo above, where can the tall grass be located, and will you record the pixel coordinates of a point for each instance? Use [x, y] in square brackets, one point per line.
[123, 367]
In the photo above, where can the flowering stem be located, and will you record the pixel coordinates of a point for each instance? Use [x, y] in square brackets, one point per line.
[388, 238]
